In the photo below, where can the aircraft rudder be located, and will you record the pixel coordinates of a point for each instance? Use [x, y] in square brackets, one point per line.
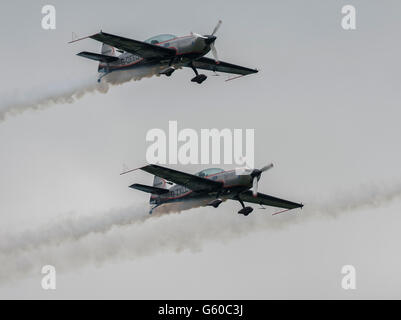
[158, 183]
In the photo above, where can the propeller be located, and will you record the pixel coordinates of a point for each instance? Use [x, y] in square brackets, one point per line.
[255, 186]
[214, 52]
[256, 173]
[217, 27]
[210, 39]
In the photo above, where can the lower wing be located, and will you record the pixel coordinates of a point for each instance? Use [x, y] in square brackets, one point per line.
[221, 66]
[264, 199]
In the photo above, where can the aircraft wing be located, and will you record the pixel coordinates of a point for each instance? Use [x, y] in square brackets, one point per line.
[187, 180]
[143, 49]
[264, 199]
[221, 66]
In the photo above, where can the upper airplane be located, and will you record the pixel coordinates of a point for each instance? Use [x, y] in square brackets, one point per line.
[166, 52]
[209, 187]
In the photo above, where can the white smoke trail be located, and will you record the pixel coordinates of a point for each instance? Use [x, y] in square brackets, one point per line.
[96, 242]
[67, 93]
[44, 98]
[69, 228]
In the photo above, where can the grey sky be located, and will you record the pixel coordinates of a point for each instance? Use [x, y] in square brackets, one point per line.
[325, 108]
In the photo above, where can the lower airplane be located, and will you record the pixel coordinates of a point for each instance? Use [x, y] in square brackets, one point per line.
[208, 187]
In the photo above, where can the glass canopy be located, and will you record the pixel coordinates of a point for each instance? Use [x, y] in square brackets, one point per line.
[160, 38]
[208, 172]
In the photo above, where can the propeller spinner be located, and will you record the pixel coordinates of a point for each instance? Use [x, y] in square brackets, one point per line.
[256, 173]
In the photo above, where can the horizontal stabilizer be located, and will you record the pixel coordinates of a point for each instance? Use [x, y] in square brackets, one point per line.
[148, 189]
[97, 56]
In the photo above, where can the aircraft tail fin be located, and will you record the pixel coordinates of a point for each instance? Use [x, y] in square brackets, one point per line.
[107, 51]
[160, 184]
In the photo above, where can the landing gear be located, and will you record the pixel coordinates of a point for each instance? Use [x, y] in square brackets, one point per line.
[103, 75]
[245, 210]
[168, 72]
[215, 203]
[153, 208]
[199, 78]
[100, 78]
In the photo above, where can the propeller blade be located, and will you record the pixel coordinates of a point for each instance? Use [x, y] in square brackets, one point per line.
[214, 52]
[216, 27]
[255, 186]
[265, 168]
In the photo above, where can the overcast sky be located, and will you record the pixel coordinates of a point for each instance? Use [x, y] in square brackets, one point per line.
[325, 107]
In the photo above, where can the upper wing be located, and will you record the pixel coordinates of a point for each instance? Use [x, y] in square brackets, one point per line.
[143, 49]
[221, 66]
[267, 200]
[187, 180]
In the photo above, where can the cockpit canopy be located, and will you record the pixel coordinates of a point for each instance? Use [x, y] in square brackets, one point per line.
[160, 38]
[208, 172]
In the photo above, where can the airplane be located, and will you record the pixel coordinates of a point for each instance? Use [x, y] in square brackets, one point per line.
[209, 187]
[166, 52]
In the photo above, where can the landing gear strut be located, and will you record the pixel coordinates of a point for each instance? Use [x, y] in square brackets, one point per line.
[199, 78]
[103, 75]
[245, 210]
[153, 208]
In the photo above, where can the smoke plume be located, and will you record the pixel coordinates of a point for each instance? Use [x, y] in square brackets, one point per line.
[129, 233]
[68, 93]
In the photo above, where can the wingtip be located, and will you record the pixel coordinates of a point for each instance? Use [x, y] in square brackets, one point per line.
[128, 171]
[79, 39]
[131, 170]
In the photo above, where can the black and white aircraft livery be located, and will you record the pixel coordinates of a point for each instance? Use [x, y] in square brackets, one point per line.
[209, 187]
[167, 52]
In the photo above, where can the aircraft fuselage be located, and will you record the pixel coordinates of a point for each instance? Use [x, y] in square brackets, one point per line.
[187, 49]
[233, 184]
